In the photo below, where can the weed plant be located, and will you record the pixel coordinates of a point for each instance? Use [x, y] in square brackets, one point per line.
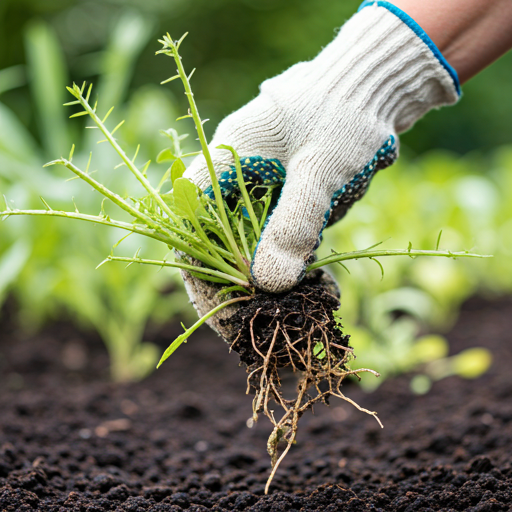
[214, 242]
[47, 266]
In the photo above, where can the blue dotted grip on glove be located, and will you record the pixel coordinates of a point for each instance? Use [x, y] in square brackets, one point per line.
[258, 171]
[355, 189]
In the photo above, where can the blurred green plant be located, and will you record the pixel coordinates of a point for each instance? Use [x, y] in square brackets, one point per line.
[211, 241]
[414, 198]
[59, 273]
[12, 262]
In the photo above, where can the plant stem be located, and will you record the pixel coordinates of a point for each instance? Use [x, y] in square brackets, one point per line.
[268, 200]
[355, 255]
[172, 241]
[183, 337]
[115, 198]
[243, 190]
[129, 163]
[173, 47]
[193, 268]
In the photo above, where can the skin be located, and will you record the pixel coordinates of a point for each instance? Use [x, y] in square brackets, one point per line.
[471, 34]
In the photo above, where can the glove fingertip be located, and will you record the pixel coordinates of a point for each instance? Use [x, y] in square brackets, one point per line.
[274, 272]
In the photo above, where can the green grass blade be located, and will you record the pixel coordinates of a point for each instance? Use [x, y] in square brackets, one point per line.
[47, 72]
[128, 38]
[243, 190]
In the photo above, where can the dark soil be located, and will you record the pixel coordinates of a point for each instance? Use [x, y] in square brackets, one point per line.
[303, 314]
[72, 441]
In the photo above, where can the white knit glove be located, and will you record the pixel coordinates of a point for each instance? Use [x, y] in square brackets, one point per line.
[332, 123]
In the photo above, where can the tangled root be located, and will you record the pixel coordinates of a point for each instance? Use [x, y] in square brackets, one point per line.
[295, 330]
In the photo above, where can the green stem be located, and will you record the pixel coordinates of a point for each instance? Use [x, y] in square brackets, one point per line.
[183, 266]
[115, 198]
[172, 241]
[268, 200]
[355, 255]
[243, 190]
[243, 239]
[214, 260]
[169, 44]
[183, 337]
[129, 163]
[134, 228]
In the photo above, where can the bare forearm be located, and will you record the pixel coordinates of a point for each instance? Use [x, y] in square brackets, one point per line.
[469, 33]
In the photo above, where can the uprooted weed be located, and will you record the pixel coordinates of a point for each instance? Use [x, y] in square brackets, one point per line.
[297, 330]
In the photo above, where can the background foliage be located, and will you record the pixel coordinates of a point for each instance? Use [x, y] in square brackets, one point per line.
[455, 172]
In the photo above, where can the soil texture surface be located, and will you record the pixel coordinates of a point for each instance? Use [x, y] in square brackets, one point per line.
[178, 441]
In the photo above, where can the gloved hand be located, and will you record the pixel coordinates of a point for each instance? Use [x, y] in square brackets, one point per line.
[332, 123]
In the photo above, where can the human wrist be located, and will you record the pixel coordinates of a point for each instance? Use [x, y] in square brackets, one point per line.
[471, 34]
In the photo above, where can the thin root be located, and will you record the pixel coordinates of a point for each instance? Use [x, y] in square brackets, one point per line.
[294, 340]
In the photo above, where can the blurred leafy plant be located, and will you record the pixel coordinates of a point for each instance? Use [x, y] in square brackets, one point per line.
[59, 274]
[418, 196]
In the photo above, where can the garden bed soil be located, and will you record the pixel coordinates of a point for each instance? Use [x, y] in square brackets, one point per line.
[72, 441]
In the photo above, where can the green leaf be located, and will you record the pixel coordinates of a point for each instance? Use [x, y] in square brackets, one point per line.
[230, 289]
[47, 72]
[183, 337]
[12, 77]
[177, 170]
[472, 362]
[439, 239]
[12, 262]
[165, 155]
[128, 37]
[186, 198]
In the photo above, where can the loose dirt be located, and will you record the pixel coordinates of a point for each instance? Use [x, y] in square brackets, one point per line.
[72, 441]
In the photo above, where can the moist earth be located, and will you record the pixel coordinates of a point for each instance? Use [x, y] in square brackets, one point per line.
[303, 315]
[72, 441]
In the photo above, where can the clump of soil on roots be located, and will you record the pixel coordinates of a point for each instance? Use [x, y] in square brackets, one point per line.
[296, 330]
